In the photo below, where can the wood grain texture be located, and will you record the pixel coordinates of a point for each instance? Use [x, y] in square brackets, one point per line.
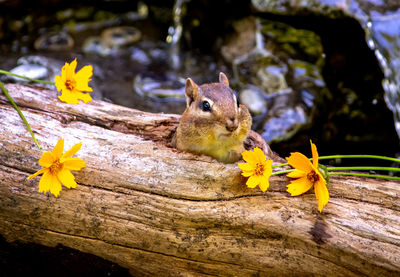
[158, 211]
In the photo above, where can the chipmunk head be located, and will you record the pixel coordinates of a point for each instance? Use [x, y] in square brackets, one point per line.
[213, 124]
[214, 103]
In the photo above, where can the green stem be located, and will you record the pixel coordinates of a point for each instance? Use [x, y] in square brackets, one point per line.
[279, 165]
[26, 78]
[360, 156]
[20, 114]
[325, 169]
[364, 168]
[282, 172]
[365, 175]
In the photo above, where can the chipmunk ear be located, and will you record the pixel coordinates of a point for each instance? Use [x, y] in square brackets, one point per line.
[223, 79]
[191, 91]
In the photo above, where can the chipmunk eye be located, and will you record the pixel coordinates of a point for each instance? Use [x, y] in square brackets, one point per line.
[205, 106]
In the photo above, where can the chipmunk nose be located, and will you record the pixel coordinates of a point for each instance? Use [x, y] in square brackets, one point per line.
[231, 124]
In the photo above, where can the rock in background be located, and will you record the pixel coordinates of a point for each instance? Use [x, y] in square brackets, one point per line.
[319, 67]
[361, 67]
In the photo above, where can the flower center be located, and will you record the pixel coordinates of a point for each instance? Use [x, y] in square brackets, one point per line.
[70, 84]
[313, 176]
[55, 167]
[259, 170]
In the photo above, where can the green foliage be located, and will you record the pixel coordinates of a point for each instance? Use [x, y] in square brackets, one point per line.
[297, 43]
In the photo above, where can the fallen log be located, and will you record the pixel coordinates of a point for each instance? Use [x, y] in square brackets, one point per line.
[158, 211]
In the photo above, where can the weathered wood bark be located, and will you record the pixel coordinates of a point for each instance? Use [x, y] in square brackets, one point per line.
[155, 210]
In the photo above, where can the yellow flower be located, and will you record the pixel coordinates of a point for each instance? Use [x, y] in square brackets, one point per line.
[72, 84]
[257, 169]
[307, 174]
[57, 168]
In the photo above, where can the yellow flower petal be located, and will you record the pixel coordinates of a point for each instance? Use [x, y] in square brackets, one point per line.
[66, 178]
[49, 182]
[58, 149]
[264, 183]
[245, 166]
[60, 85]
[247, 173]
[45, 182]
[247, 169]
[322, 179]
[314, 154]
[43, 170]
[85, 97]
[64, 70]
[68, 97]
[72, 151]
[55, 187]
[82, 78]
[299, 161]
[249, 157]
[321, 193]
[73, 163]
[296, 174]
[253, 181]
[47, 159]
[267, 168]
[259, 154]
[70, 69]
[299, 186]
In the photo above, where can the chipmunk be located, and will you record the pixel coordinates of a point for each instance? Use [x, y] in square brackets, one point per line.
[213, 123]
